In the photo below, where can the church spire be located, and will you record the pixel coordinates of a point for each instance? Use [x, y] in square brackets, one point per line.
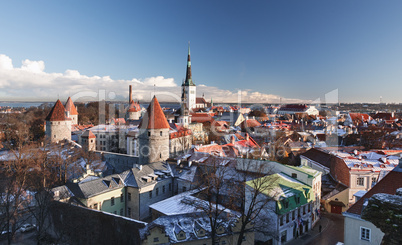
[189, 79]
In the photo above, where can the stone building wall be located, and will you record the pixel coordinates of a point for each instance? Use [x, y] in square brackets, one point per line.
[154, 145]
[58, 130]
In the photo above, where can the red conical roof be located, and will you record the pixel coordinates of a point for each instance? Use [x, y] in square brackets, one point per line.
[154, 118]
[71, 107]
[57, 113]
[134, 107]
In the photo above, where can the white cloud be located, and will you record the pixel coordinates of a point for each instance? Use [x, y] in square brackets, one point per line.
[31, 82]
[33, 66]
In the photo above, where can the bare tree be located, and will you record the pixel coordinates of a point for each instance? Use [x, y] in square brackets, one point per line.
[253, 193]
[15, 198]
[212, 197]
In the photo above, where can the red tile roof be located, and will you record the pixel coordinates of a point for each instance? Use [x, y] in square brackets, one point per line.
[71, 107]
[359, 117]
[134, 107]
[389, 184]
[88, 134]
[200, 100]
[201, 117]
[154, 118]
[57, 113]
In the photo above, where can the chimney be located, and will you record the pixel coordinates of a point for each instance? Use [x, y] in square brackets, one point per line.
[130, 94]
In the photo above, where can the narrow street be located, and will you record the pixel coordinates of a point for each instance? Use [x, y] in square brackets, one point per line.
[332, 232]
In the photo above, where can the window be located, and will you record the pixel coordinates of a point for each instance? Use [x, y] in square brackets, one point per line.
[304, 209]
[365, 233]
[294, 175]
[115, 212]
[293, 215]
[181, 234]
[163, 189]
[121, 212]
[373, 180]
[360, 181]
[128, 212]
[121, 198]
[297, 199]
[286, 203]
[129, 196]
[161, 133]
[157, 191]
[95, 206]
[149, 133]
[184, 189]
[281, 220]
[150, 194]
[112, 201]
[156, 239]
[287, 218]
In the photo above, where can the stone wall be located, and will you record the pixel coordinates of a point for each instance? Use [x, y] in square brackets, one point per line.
[58, 130]
[119, 162]
[154, 145]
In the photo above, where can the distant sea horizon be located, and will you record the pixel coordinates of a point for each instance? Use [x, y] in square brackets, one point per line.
[15, 104]
[28, 104]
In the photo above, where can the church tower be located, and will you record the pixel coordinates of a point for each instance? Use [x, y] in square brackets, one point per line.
[153, 135]
[188, 84]
[58, 123]
[184, 118]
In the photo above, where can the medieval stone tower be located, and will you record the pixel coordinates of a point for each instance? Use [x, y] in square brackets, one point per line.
[88, 141]
[58, 124]
[70, 107]
[153, 135]
[134, 108]
[188, 84]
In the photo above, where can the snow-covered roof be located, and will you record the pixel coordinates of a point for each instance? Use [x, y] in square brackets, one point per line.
[174, 205]
[360, 193]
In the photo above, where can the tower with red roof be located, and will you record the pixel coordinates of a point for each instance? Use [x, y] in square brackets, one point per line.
[88, 140]
[72, 111]
[58, 124]
[153, 135]
[134, 108]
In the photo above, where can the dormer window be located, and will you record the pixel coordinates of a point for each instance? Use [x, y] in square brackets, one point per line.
[297, 199]
[285, 203]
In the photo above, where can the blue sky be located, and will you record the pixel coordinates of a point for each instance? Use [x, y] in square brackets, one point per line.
[291, 49]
